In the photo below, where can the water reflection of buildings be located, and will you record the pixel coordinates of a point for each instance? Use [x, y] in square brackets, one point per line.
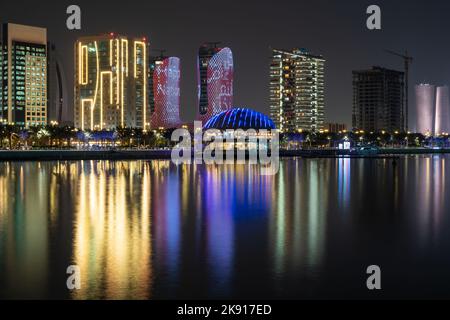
[220, 196]
[195, 217]
[166, 210]
[298, 220]
[430, 188]
[439, 190]
[112, 243]
[24, 250]
[130, 226]
[344, 170]
[146, 229]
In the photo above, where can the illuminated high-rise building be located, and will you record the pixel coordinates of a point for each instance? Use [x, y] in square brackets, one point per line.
[297, 90]
[425, 108]
[164, 92]
[442, 110]
[111, 82]
[378, 100]
[215, 81]
[23, 82]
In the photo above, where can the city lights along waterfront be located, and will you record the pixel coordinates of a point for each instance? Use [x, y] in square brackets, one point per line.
[105, 137]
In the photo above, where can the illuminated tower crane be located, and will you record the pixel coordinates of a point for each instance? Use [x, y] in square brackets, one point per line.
[407, 60]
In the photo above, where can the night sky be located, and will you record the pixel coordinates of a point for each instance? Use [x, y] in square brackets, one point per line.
[335, 29]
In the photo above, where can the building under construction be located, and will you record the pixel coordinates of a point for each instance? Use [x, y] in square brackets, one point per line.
[378, 100]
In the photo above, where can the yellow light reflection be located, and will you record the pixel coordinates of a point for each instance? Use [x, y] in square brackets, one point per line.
[112, 237]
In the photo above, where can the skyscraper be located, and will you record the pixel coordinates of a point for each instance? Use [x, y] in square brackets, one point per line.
[425, 108]
[378, 98]
[215, 81]
[111, 78]
[164, 92]
[297, 90]
[442, 110]
[23, 82]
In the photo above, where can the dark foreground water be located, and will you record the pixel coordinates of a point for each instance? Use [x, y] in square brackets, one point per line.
[152, 230]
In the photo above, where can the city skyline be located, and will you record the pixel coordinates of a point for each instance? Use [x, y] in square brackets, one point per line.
[350, 47]
[143, 91]
[234, 154]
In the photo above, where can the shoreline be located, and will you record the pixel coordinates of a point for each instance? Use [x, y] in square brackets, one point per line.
[75, 155]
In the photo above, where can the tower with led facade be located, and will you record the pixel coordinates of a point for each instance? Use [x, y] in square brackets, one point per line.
[215, 81]
[23, 82]
[164, 92]
[111, 82]
[297, 86]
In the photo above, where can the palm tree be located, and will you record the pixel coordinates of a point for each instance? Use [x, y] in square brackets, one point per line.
[125, 136]
[10, 131]
[138, 134]
[23, 136]
[2, 135]
[68, 134]
[149, 139]
[43, 136]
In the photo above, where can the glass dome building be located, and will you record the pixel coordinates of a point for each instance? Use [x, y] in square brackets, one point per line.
[240, 118]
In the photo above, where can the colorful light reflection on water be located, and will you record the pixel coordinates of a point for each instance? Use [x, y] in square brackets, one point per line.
[153, 230]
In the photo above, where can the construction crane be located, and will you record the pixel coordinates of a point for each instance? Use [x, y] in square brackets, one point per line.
[407, 60]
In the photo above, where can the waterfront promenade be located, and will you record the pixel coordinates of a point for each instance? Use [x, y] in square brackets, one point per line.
[130, 154]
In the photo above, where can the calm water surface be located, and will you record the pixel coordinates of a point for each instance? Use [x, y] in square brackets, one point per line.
[153, 230]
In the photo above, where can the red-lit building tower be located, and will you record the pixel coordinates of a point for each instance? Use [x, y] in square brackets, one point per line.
[164, 92]
[215, 81]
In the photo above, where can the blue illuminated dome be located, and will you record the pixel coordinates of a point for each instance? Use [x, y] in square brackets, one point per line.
[240, 118]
